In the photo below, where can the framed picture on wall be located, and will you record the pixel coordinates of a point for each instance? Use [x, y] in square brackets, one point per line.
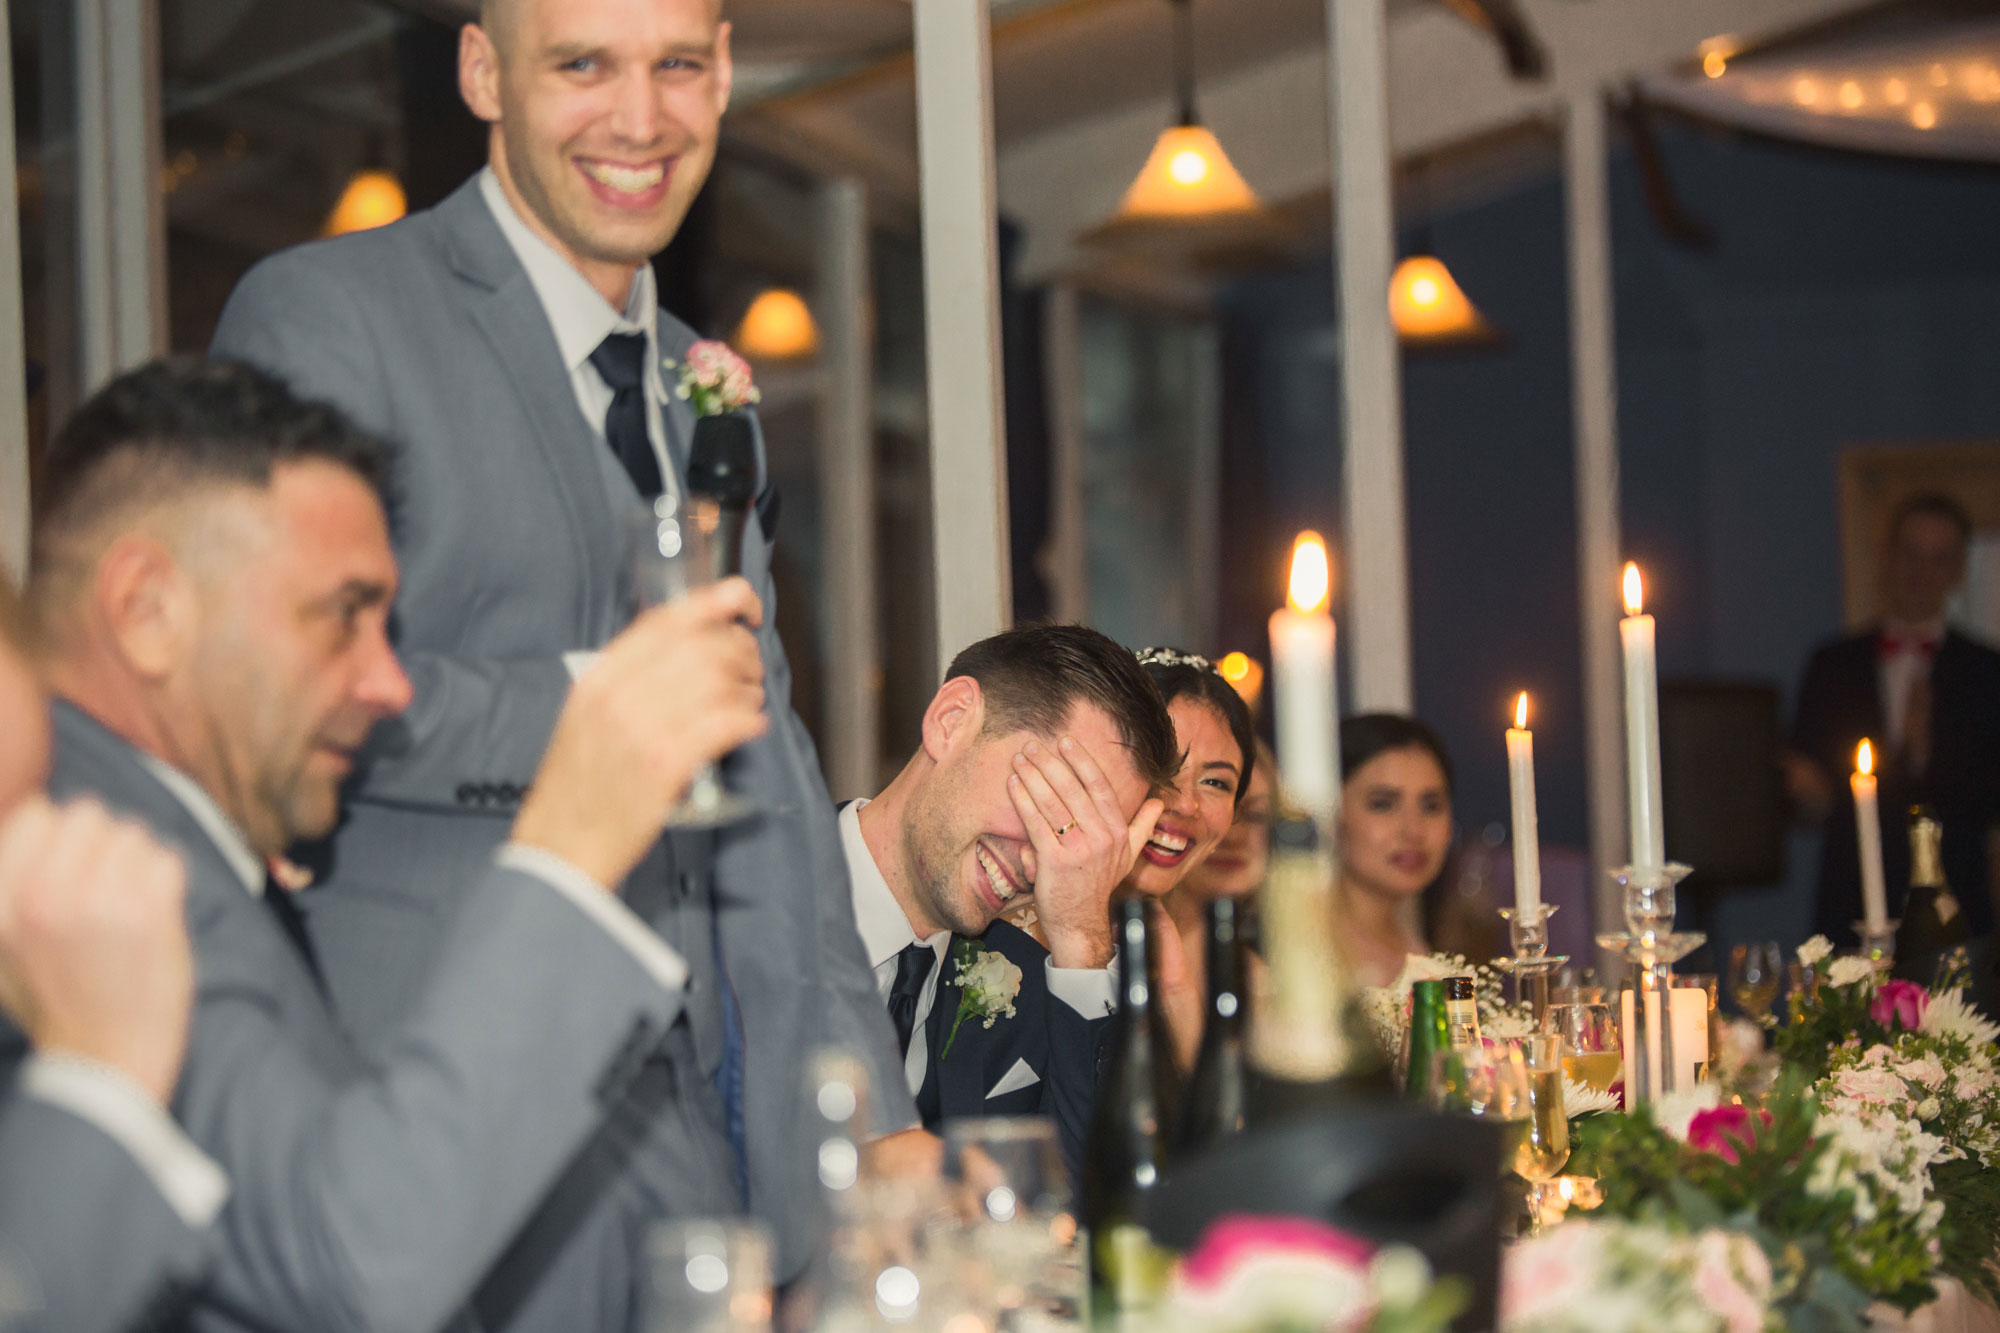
[1876, 478]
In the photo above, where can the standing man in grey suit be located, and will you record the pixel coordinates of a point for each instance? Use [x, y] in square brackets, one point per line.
[211, 586]
[104, 1203]
[510, 343]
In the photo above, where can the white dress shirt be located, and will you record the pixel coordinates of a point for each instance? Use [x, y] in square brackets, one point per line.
[886, 931]
[581, 318]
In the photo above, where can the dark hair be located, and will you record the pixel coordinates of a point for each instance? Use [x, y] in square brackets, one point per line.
[1366, 735]
[1177, 675]
[1034, 676]
[181, 422]
[1934, 504]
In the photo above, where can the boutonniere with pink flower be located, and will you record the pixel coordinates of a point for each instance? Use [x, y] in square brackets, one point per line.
[714, 380]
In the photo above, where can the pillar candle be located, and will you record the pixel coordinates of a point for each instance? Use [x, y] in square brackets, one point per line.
[1302, 694]
[1521, 782]
[1642, 729]
[1690, 1033]
[1868, 834]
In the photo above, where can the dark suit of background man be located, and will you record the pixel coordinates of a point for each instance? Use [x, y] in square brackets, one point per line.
[211, 591]
[104, 1204]
[1040, 752]
[509, 342]
[1928, 697]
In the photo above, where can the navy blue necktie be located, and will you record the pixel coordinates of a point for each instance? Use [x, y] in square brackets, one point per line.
[621, 360]
[729, 1078]
[278, 901]
[913, 968]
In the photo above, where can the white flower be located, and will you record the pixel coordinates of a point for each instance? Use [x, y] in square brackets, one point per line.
[1675, 1111]
[992, 982]
[1423, 967]
[1928, 1109]
[1814, 949]
[1505, 1023]
[1950, 1016]
[1401, 1275]
[1582, 1099]
[1848, 971]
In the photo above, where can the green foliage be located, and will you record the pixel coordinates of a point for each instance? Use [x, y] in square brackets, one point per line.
[1971, 1225]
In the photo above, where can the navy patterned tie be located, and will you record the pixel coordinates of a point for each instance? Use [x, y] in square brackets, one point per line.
[621, 360]
[913, 967]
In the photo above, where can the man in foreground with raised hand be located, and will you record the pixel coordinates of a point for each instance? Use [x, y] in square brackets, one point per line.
[104, 1203]
[211, 590]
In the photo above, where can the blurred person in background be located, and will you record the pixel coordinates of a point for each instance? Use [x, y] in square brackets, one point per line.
[1395, 833]
[1928, 697]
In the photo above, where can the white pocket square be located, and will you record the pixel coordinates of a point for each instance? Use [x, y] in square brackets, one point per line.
[1015, 1079]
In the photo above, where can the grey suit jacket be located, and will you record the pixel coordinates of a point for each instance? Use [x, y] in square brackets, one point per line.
[87, 1244]
[509, 533]
[369, 1196]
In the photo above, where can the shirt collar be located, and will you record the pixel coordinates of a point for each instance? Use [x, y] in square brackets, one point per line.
[220, 828]
[577, 311]
[885, 930]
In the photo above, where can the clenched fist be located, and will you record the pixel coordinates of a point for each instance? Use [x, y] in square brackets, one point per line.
[680, 688]
[94, 954]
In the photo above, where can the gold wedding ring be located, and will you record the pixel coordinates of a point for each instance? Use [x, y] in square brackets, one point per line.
[1065, 828]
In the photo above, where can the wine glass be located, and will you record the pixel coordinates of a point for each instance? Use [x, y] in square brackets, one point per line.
[1542, 1153]
[1755, 970]
[1011, 1191]
[1489, 1082]
[673, 547]
[708, 1275]
[1592, 1055]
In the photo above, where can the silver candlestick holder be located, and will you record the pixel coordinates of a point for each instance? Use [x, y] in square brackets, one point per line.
[1652, 946]
[1528, 931]
[1879, 946]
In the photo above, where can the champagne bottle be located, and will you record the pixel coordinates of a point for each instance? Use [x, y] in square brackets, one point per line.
[1933, 921]
[1215, 1104]
[1123, 1157]
[1309, 1043]
[1461, 1012]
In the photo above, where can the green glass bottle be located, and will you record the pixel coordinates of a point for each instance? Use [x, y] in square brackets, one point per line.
[1429, 1033]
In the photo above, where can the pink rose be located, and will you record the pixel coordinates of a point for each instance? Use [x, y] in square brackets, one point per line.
[1231, 1241]
[1716, 1284]
[1723, 1130]
[1900, 1004]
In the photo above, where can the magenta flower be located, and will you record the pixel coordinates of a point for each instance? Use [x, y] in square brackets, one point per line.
[1723, 1131]
[1234, 1239]
[1900, 1004]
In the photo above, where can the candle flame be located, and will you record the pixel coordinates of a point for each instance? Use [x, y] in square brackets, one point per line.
[1521, 712]
[1864, 759]
[1635, 591]
[1311, 577]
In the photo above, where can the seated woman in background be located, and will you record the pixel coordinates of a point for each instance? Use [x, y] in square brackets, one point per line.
[1395, 830]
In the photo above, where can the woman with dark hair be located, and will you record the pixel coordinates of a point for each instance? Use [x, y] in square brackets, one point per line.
[1395, 831]
[1217, 738]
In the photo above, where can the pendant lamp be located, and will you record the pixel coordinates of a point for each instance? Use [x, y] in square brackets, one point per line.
[373, 198]
[1187, 177]
[1426, 304]
[778, 327]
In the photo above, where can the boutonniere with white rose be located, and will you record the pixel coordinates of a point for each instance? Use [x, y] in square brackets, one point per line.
[987, 985]
[714, 380]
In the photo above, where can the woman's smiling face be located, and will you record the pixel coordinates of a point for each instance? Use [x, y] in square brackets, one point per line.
[1202, 804]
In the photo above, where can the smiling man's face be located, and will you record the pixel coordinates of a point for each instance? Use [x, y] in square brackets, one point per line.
[605, 118]
[967, 853]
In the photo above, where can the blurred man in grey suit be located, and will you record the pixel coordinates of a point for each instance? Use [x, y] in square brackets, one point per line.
[510, 343]
[211, 586]
[104, 1203]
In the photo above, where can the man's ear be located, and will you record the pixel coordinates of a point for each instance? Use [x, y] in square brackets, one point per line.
[479, 72]
[146, 602]
[953, 720]
[725, 67]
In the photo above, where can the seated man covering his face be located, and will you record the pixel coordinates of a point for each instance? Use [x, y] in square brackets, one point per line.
[1040, 753]
[211, 589]
[104, 1204]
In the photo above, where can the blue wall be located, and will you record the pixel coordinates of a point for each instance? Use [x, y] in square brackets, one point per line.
[1849, 299]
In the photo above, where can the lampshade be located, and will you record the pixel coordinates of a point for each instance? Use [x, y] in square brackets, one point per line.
[1187, 177]
[1427, 306]
[373, 198]
[778, 327]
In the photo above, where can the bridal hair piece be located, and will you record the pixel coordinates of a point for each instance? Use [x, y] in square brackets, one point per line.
[1174, 657]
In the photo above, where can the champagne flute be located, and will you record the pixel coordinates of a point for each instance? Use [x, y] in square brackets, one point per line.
[1592, 1055]
[1755, 970]
[673, 547]
[1011, 1190]
[1490, 1083]
[1546, 1148]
